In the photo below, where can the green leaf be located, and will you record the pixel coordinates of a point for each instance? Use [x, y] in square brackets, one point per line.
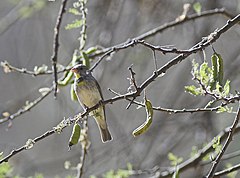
[174, 160]
[144, 127]
[221, 109]
[66, 80]
[75, 24]
[75, 135]
[204, 73]
[195, 71]
[226, 88]
[91, 50]
[194, 151]
[218, 89]
[217, 142]
[69, 74]
[86, 60]
[192, 90]
[225, 109]
[74, 11]
[220, 69]
[218, 73]
[40, 70]
[172, 157]
[214, 72]
[197, 7]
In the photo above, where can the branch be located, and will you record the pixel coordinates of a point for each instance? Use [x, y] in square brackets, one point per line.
[56, 44]
[199, 46]
[174, 111]
[184, 53]
[26, 108]
[133, 84]
[9, 68]
[85, 145]
[108, 51]
[25, 147]
[83, 33]
[227, 171]
[193, 161]
[229, 139]
[224, 157]
[166, 26]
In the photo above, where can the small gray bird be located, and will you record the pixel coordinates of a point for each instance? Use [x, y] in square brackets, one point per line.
[89, 94]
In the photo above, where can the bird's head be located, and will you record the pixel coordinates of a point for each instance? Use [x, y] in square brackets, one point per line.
[79, 70]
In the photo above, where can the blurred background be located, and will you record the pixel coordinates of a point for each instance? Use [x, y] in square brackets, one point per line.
[26, 37]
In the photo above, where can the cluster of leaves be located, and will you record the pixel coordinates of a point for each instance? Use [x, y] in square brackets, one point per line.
[77, 23]
[210, 80]
[175, 161]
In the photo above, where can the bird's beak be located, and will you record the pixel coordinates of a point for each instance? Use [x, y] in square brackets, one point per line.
[74, 70]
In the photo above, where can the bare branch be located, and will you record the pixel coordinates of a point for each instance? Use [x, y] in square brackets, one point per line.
[27, 107]
[229, 139]
[166, 26]
[16, 151]
[56, 44]
[9, 68]
[85, 145]
[227, 171]
[199, 46]
[193, 161]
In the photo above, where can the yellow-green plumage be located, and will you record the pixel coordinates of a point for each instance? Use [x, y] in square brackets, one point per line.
[89, 94]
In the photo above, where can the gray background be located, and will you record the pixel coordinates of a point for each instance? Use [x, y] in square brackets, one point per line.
[27, 42]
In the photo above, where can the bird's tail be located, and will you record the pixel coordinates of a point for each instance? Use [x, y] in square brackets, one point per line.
[105, 134]
[99, 116]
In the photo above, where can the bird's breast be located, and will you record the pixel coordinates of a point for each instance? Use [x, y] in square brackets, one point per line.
[87, 93]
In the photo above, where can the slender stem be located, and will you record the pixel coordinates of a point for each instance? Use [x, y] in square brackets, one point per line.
[226, 144]
[56, 44]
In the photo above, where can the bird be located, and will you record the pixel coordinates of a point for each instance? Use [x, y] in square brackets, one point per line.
[89, 94]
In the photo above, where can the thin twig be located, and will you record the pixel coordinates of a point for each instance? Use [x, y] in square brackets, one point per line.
[18, 150]
[226, 144]
[85, 145]
[9, 68]
[56, 44]
[199, 46]
[193, 161]
[227, 171]
[155, 60]
[224, 157]
[174, 111]
[83, 33]
[133, 83]
[58, 129]
[27, 107]
[165, 26]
